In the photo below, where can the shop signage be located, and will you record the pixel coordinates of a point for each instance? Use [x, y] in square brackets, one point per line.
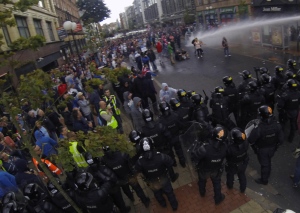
[212, 11]
[272, 9]
[227, 10]
[62, 33]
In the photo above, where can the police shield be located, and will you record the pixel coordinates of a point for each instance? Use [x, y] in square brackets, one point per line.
[190, 140]
[250, 126]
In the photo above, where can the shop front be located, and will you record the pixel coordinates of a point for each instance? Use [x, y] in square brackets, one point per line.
[211, 18]
[227, 15]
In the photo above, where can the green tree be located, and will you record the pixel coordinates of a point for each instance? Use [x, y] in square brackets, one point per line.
[94, 11]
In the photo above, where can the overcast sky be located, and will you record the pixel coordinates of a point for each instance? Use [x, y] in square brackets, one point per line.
[116, 7]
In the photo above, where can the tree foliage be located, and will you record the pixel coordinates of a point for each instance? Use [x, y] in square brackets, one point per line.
[94, 11]
[188, 18]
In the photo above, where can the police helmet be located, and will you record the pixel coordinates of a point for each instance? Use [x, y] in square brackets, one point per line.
[264, 70]
[135, 136]
[147, 115]
[292, 84]
[190, 93]
[291, 63]
[146, 144]
[174, 103]
[197, 99]
[265, 78]
[89, 158]
[8, 197]
[246, 74]
[290, 75]
[252, 86]
[11, 207]
[52, 188]
[237, 135]
[219, 133]
[219, 89]
[265, 111]
[83, 181]
[181, 93]
[164, 107]
[31, 191]
[279, 70]
[227, 80]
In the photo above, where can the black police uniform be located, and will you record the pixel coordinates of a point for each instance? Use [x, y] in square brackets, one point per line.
[184, 114]
[102, 175]
[171, 122]
[279, 80]
[249, 105]
[95, 199]
[39, 200]
[265, 139]
[120, 164]
[236, 163]
[231, 92]
[155, 167]
[269, 93]
[187, 103]
[160, 136]
[209, 158]
[288, 106]
[243, 87]
[220, 113]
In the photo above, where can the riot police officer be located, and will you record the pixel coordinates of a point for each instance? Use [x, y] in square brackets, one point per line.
[237, 159]
[120, 164]
[265, 138]
[250, 103]
[243, 86]
[231, 92]
[102, 174]
[185, 101]
[182, 113]
[201, 115]
[156, 168]
[171, 122]
[209, 159]
[58, 199]
[289, 75]
[292, 66]
[158, 133]
[279, 78]
[219, 106]
[39, 201]
[135, 137]
[269, 89]
[288, 107]
[90, 197]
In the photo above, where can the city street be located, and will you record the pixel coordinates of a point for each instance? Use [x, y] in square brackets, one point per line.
[206, 73]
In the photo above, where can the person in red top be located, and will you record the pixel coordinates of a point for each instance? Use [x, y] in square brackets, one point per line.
[159, 49]
[62, 88]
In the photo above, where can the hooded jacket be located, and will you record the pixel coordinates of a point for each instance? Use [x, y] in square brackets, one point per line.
[136, 114]
[166, 95]
[47, 144]
[127, 103]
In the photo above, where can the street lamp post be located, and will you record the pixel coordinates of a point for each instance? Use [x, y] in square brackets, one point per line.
[68, 25]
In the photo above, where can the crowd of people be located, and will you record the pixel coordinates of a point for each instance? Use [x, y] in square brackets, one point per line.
[159, 119]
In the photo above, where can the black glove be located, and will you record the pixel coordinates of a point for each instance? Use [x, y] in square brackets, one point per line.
[174, 177]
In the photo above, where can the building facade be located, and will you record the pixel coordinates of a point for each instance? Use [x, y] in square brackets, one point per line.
[68, 11]
[42, 20]
[138, 15]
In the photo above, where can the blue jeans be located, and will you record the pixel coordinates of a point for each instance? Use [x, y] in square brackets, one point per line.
[226, 51]
[154, 65]
[297, 171]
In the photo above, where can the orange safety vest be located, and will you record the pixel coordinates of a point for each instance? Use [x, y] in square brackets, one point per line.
[54, 169]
